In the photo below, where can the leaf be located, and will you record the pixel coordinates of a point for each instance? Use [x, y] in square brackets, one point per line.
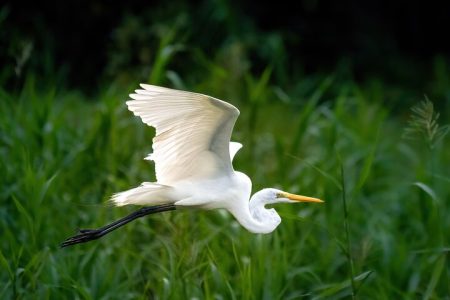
[442, 250]
[368, 162]
[437, 271]
[5, 265]
[258, 88]
[429, 191]
[26, 215]
[323, 173]
[362, 278]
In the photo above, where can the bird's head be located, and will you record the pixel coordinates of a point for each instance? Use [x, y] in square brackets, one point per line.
[272, 196]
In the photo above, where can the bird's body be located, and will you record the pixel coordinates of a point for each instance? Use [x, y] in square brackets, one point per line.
[193, 163]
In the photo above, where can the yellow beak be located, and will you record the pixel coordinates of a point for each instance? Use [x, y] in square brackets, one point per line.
[300, 198]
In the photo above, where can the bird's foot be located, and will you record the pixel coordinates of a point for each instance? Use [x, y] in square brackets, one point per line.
[83, 236]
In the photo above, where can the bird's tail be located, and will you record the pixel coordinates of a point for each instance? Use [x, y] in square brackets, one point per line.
[148, 193]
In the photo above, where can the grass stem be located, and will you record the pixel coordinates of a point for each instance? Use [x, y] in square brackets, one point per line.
[347, 234]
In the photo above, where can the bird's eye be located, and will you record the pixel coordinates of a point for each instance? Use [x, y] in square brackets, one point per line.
[279, 195]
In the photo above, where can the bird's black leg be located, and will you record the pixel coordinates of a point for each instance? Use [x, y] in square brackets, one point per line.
[86, 235]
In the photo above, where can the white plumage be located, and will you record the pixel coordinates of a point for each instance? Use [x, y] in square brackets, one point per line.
[192, 132]
[193, 158]
[193, 154]
[192, 141]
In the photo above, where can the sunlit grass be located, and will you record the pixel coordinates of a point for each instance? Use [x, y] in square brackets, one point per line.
[64, 155]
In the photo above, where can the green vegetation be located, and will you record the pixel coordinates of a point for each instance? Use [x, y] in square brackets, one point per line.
[63, 156]
[382, 169]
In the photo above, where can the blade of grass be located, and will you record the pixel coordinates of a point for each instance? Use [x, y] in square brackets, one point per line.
[429, 191]
[435, 276]
[368, 162]
[347, 233]
[322, 172]
[362, 277]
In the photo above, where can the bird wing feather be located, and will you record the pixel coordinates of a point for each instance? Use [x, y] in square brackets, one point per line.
[193, 132]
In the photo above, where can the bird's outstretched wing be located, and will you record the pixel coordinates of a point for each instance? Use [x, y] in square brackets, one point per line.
[192, 132]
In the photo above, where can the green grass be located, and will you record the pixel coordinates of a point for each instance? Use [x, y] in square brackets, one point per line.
[63, 155]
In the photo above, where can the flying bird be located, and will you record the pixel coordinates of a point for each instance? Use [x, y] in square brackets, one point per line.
[193, 158]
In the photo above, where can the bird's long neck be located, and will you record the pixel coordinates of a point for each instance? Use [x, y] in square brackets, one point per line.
[255, 217]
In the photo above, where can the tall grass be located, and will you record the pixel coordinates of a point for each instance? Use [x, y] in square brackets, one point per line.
[63, 156]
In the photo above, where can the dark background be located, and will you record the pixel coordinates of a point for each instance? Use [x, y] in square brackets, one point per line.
[87, 42]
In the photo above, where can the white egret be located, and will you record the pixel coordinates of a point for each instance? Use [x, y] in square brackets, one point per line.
[193, 163]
